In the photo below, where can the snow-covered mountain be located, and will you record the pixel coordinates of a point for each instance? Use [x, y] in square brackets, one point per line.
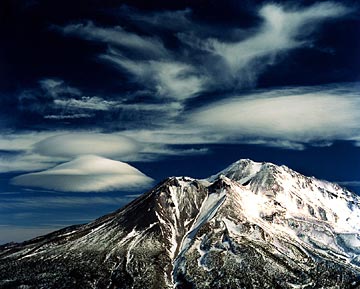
[253, 225]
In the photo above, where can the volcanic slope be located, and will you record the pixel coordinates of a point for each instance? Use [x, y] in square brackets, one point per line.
[253, 225]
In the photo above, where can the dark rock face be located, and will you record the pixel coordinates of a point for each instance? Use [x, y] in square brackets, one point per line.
[251, 226]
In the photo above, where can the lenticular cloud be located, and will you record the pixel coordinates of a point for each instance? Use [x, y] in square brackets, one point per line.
[81, 143]
[88, 173]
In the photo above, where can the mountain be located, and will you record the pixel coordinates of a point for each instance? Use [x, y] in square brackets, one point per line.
[253, 225]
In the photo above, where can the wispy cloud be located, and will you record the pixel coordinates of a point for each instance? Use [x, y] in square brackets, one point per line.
[150, 124]
[166, 20]
[87, 174]
[281, 30]
[86, 103]
[50, 97]
[349, 183]
[150, 46]
[290, 118]
[55, 87]
[57, 101]
[203, 60]
[169, 79]
[68, 116]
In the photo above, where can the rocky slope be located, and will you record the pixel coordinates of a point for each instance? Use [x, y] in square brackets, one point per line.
[253, 225]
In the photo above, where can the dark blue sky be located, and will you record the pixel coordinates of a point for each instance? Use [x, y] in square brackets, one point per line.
[99, 100]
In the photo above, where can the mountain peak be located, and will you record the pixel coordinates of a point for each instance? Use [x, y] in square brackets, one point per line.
[239, 171]
[253, 225]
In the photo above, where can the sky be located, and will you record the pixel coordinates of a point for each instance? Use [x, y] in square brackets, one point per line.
[101, 100]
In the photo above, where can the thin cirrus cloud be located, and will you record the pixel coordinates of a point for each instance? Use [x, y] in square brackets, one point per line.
[55, 99]
[69, 116]
[164, 20]
[281, 31]
[87, 174]
[170, 79]
[55, 87]
[86, 103]
[150, 46]
[304, 115]
[204, 60]
[349, 183]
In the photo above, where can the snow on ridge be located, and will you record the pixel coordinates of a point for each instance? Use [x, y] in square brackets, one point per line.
[302, 196]
[241, 168]
[207, 211]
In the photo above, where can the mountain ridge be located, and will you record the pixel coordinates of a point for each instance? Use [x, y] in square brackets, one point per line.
[252, 225]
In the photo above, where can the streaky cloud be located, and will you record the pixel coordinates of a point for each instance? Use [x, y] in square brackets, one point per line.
[150, 46]
[55, 87]
[281, 31]
[313, 115]
[68, 116]
[165, 20]
[349, 183]
[86, 103]
[204, 59]
[168, 78]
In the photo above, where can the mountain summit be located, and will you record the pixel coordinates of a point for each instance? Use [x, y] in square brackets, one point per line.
[253, 225]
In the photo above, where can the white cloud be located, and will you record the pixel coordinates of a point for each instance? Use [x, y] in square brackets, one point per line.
[33, 151]
[87, 174]
[177, 80]
[86, 103]
[11, 141]
[25, 162]
[68, 116]
[184, 72]
[172, 108]
[167, 20]
[55, 87]
[279, 143]
[169, 79]
[175, 134]
[310, 116]
[37, 151]
[82, 143]
[349, 183]
[100, 104]
[118, 36]
[282, 30]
